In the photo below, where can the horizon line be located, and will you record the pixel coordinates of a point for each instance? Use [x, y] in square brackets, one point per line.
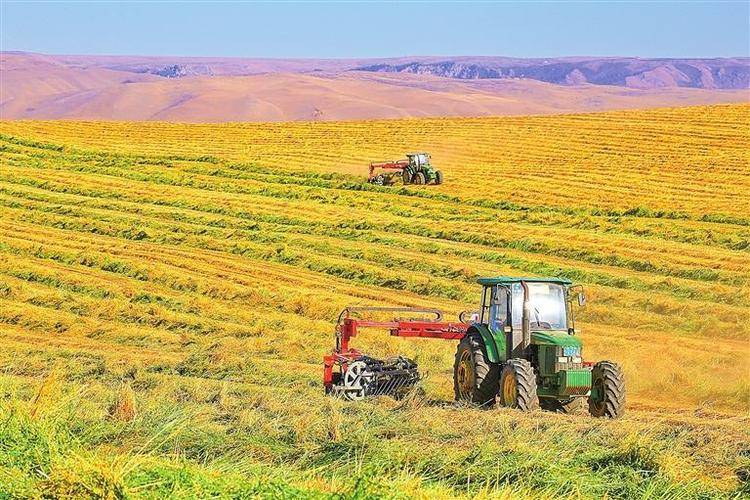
[282, 58]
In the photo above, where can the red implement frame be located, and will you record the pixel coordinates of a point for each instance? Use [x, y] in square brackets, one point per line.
[389, 165]
[348, 327]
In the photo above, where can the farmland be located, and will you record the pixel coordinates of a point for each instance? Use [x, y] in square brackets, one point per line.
[167, 292]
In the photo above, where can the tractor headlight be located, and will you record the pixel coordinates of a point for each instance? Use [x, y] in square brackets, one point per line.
[573, 351]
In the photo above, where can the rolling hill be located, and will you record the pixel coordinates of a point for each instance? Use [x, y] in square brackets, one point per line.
[226, 90]
[167, 292]
[634, 72]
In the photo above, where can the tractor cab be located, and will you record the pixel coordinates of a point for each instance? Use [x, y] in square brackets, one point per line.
[548, 303]
[527, 311]
[418, 161]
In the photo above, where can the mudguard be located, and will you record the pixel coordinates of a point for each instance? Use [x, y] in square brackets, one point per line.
[494, 344]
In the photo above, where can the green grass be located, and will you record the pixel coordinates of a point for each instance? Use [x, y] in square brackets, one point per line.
[210, 438]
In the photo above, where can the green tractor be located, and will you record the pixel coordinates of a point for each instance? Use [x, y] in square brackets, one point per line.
[414, 169]
[521, 348]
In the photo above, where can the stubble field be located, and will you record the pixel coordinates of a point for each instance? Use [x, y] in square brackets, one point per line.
[167, 292]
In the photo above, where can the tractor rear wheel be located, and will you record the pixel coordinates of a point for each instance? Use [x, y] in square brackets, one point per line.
[474, 377]
[518, 385]
[419, 178]
[607, 397]
[438, 177]
[406, 176]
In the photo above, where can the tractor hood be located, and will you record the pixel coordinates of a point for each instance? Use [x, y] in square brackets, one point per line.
[554, 337]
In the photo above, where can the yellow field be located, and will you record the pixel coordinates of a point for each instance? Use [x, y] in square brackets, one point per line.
[618, 159]
[198, 269]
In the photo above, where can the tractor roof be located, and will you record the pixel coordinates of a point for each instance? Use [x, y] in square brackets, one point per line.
[505, 280]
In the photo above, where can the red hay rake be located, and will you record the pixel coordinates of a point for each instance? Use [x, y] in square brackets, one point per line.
[354, 375]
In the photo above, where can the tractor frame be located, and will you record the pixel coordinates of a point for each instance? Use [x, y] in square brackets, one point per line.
[416, 168]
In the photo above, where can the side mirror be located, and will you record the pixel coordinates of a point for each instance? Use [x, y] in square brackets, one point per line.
[468, 317]
[581, 299]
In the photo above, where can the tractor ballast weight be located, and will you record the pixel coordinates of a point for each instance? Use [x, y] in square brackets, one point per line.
[520, 350]
[414, 169]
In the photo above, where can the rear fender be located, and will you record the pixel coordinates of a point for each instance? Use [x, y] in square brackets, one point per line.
[490, 342]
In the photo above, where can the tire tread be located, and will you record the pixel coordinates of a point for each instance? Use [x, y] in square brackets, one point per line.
[485, 384]
[614, 390]
[526, 395]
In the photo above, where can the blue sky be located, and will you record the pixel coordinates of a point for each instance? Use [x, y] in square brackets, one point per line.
[646, 29]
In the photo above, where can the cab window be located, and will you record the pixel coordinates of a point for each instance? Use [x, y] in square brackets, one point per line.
[499, 308]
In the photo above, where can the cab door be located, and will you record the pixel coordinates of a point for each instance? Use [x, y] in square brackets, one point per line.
[498, 313]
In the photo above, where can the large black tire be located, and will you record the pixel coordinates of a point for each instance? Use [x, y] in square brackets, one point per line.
[518, 385]
[474, 376]
[419, 178]
[576, 406]
[438, 177]
[607, 397]
[406, 176]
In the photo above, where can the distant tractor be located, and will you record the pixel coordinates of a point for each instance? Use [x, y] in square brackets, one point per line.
[414, 169]
[519, 349]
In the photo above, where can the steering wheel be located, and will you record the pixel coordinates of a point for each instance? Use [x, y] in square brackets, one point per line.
[542, 324]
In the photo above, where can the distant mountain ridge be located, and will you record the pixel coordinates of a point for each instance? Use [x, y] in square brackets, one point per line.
[632, 72]
[722, 73]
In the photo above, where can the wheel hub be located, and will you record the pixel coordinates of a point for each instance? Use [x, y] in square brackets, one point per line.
[509, 391]
[465, 374]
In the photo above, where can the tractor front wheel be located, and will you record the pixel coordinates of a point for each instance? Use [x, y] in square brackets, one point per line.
[474, 377]
[607, 397]
[518, 385]
[438, 177]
